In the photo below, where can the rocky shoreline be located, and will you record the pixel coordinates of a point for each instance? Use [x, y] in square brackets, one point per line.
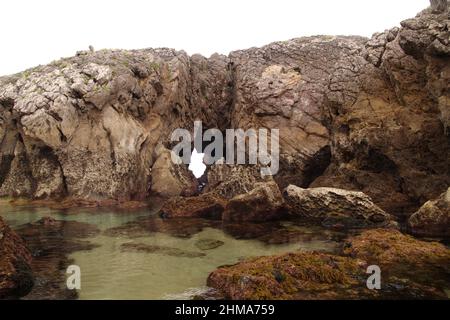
[364, 144]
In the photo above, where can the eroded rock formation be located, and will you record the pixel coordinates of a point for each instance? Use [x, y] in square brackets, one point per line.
[368, 115]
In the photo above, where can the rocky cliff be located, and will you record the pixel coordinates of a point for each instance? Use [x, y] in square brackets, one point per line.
[369, 115]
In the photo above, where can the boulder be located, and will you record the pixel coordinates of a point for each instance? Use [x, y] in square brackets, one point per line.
[263, 203]
[402, 256]
[433, 218]
[336, 207]
[410, 269]
[229, 181]
[207, 205]
[16, 276]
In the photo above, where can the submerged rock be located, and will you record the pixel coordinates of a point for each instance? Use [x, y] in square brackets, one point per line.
[433, 218]
[167, 251]
[336, 207]
[50, 242]
[263, 203]
[208, 244]
[16, 276]
[180, 228]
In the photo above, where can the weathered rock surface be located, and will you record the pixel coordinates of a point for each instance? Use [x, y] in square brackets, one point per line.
[204, 206]
[263, 203]
[16, 276]
[92, 126]
[402, 256]
[368, 115]
[229, 181]
[433, 218]
[311, 275]
[336, 207]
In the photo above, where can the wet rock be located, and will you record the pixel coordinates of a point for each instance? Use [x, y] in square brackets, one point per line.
[208, 244]
[433, 218]
[16, 276]
[180, 228]
[336, 207]
[207, 205]
[300, 276]
[411, 269]
[249, 230]
[402, 256]
[263, 203]
[50, 242]
[167, 251]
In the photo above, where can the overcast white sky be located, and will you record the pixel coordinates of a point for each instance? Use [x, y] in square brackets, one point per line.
[36, 32]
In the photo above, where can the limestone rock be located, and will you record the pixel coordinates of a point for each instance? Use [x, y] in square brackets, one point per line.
[439, 6]
[263, 203]
[229, 181]
[89, 126]
[336, 207]
[171, 179]
[369, 115]
[433, 218]
[204, 206]
[16, 276]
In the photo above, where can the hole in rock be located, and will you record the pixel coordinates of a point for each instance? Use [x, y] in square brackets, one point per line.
[196, 164]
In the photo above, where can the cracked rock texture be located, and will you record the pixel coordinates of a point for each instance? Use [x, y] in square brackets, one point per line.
[336, 206]
[368, 115]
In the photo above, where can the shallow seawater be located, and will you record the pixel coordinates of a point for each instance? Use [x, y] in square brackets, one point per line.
[136, 255]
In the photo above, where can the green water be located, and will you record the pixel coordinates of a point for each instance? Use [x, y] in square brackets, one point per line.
[109, 272]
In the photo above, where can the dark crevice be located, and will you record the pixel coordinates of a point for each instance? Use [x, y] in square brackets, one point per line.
[316, 166]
